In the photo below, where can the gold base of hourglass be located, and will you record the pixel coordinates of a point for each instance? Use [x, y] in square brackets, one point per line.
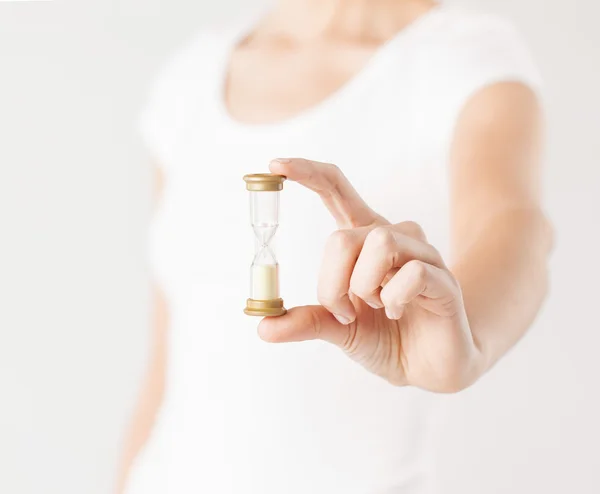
[265, 308]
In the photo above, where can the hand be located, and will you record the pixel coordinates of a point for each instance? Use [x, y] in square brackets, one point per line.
[387, 298]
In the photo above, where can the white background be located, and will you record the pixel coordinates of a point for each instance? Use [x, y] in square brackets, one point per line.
[74, 199]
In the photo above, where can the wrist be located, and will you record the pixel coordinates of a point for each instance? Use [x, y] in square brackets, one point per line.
[476, 365]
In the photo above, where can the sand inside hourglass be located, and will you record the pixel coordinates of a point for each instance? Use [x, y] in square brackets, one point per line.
[265, 281]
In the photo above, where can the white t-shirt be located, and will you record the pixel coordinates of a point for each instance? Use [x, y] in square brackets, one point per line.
[244, 417]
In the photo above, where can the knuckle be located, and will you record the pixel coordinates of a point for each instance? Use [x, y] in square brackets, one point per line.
[413, 229]
[333, 176]
[417, 270]
[340, 240]
[380, 237]
[333, 171]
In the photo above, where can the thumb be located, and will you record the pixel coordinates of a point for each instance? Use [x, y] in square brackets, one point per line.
[337, 193]
[309, 322]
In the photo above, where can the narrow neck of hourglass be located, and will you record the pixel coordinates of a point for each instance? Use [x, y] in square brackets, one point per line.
[264, 216]
[264, 253]
[264, 235]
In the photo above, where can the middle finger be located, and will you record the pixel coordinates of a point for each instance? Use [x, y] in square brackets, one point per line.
[341, 252]
[386, 248]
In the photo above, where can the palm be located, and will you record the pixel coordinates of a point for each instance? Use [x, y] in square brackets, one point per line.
[422, 348]
[422, 338]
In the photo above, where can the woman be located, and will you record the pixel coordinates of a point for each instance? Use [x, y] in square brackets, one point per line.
[437, 267]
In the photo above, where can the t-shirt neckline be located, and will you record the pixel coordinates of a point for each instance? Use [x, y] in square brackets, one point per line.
[366, 72]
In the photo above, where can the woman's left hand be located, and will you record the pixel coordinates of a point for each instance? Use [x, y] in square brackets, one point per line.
[387, 298]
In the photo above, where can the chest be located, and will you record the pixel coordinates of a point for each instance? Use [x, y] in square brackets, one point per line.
[266, 85]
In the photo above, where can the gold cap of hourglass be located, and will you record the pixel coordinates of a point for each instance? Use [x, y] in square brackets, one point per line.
[265, 308]
[264, 182]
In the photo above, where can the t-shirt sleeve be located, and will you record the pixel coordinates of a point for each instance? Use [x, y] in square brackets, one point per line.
[162, 119]
[480, 51]
[152, 121]
[494, 52]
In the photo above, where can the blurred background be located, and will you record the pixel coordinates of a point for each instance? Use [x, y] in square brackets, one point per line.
[75, 199]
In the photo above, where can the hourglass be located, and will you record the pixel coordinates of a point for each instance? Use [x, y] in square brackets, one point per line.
[264, 274]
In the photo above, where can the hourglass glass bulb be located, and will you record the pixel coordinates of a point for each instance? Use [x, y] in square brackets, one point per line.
[264, 274]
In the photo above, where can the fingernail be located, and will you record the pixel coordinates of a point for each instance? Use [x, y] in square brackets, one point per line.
[390, 313]
[375, 305]
[283, 160]
[342, 319]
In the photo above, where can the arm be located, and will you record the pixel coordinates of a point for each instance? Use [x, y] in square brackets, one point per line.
[151, 394]
[500, 236]
[389, 300]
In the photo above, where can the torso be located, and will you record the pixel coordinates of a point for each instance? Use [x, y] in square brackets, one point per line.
[241, 416]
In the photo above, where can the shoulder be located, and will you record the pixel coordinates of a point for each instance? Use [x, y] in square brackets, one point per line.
[190, 59]
[469, 46]
[464, 53]
[207, 44]
[186, 79]
[462, 25]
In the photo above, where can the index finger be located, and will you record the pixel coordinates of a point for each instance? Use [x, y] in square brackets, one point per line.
[337, 193]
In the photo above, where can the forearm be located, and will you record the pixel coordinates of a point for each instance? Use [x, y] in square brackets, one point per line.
[150, 397]
[503, 277]
[140, 426]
